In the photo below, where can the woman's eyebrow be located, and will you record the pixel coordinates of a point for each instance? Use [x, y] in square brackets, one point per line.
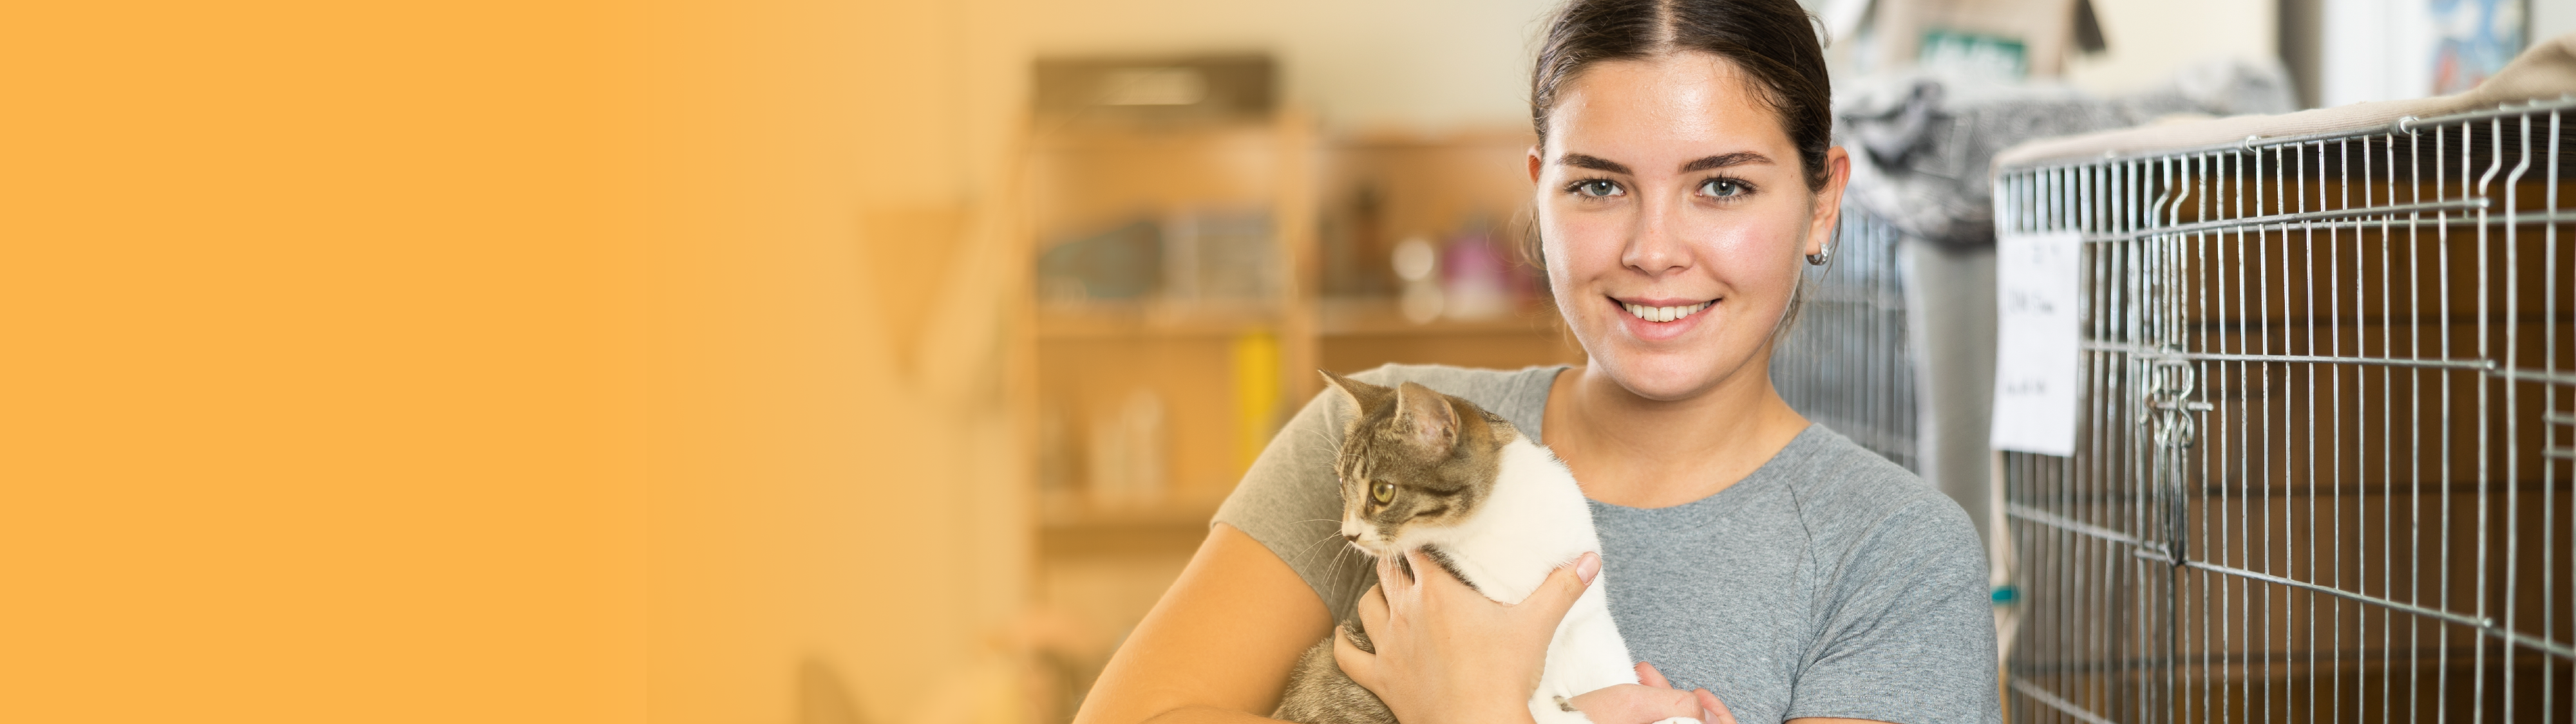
[1738, 158]
[1595, 163]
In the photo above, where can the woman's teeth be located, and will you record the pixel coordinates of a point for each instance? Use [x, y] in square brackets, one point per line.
[1664, 314]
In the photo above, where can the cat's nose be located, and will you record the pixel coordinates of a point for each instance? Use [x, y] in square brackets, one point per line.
[1352, 537]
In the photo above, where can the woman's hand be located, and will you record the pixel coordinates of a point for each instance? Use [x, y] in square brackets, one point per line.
[1446, 653]
[1653, 701]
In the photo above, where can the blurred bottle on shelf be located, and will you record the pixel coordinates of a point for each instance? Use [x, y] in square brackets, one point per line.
[1417, 264]
[1351, 246]
[1127, 453]
[1257, 391]
[1476, 280]
[1057, 461]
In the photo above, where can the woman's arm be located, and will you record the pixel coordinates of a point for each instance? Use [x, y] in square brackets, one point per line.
[1218, 646]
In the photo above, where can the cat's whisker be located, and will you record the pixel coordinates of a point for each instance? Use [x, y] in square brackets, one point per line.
[1310, 547]
[1341, 591]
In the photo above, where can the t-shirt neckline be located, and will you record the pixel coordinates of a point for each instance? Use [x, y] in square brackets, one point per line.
[1761, 474]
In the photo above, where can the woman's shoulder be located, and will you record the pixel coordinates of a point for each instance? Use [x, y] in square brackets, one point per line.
[1841, 481]
[1518, 395]
[1460, 381]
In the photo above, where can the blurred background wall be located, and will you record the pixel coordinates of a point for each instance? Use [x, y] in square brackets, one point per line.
[685, 360]
[843, 521]
[855, 375]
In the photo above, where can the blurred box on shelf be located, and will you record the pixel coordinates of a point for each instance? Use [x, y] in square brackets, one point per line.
[1209, 266]
[1119, 264]
[1224, 257]
[1156, 90]
[1998, 40]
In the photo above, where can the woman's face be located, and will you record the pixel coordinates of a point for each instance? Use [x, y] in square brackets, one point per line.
[1674, 217]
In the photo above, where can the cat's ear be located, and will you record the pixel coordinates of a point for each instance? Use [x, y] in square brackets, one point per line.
[1364, 396]
[1425, 418]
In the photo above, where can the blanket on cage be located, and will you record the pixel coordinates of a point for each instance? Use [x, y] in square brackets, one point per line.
[1922, 143]
[2546, 71]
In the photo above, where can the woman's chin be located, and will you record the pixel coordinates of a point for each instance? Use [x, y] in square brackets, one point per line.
[1663, 376]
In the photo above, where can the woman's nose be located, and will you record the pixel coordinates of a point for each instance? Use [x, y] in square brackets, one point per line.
[1655, 248]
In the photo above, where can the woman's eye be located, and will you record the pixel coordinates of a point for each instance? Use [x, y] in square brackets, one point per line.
[1721, 188]
[1383, 492]
[1597, 188]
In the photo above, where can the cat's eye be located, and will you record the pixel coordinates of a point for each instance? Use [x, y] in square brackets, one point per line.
[1383, 492]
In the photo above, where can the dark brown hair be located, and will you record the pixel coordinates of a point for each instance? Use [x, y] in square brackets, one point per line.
[1774, 42]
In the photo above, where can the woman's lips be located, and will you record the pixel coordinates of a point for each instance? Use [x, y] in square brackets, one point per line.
[1660, 319]
[1663, 313]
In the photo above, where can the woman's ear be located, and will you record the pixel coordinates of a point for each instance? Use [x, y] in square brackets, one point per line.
[1829, 201]
[1536, 162]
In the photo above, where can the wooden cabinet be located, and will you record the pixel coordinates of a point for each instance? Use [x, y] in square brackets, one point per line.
[1446, 190]
[1157, 364]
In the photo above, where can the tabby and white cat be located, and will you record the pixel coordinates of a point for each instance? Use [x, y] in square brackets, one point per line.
[1421, 469]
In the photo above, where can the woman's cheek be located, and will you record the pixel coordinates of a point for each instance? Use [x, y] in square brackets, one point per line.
[1580, 246]
[1760, 255]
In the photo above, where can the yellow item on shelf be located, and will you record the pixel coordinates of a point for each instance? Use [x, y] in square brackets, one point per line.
[1256, 390]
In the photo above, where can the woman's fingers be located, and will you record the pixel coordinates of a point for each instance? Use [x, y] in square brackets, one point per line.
[1428, 573]
[1390, 575]
[1646, 674]
[1564, 585]
[1372, 611]
[1717, 713]
[1361, 666]
[1636, 704]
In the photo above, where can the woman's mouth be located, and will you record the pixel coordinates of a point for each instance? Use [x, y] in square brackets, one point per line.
[1661, 314]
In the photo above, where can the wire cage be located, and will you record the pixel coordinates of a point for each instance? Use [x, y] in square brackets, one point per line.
[2322, 465]
[1844, 361]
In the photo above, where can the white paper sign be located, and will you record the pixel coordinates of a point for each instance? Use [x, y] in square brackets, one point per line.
[2038, 355]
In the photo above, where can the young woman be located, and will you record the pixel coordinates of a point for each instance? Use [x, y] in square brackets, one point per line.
[1768, 568]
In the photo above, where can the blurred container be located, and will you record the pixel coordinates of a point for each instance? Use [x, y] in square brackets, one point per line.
[1121, 263]
[1417, 263]
[1257, 391]
[1225, 257]
[1156, 91]
[1127, 454]
[1475, 277]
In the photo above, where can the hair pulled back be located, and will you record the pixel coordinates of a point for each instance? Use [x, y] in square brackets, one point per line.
[1772, 41]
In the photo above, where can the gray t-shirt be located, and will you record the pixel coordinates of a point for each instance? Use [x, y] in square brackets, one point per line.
[1828, 583]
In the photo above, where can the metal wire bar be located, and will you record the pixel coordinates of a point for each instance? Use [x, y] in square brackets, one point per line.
[2061, 705]
[1845, 361]
[2323, 388]
[2154, 551]
[2300, 218]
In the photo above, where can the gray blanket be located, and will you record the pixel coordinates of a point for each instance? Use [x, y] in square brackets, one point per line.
[1922, 145]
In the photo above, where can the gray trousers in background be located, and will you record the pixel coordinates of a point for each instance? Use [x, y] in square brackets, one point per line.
[1950, 322]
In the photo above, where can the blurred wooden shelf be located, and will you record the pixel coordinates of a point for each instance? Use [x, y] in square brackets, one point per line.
[1354, 334]
[1092, 321]
[1248, 134]
[1174, 529]
[1378, 316]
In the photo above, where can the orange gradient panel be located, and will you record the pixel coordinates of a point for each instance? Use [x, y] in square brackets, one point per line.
[316, 401]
